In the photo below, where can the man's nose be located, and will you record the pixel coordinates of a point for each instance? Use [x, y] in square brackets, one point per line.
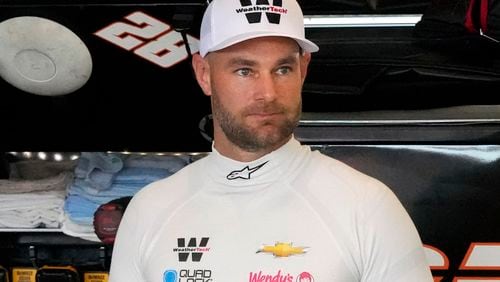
[266, 88]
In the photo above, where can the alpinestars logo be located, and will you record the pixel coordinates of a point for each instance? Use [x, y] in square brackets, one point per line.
[244, 173]
[196, 250]
[254, 12]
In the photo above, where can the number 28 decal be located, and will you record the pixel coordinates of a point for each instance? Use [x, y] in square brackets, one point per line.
[149, 38]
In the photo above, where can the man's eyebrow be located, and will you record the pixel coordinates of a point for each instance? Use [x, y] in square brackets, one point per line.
[241, 62]
[289, 60]
[238, 61]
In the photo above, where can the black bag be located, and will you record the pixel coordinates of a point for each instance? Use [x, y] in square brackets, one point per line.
[490, 18]
[448, 22]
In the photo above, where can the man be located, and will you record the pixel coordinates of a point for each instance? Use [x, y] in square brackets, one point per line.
[261, 207]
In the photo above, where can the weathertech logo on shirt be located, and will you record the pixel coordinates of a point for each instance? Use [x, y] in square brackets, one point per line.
[254, 12]
[196, 250]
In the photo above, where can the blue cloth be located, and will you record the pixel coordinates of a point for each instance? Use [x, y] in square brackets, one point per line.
[98, 169]
[126, 179]
[84, 200]
[117, 190]
[170, 163]
[144, 175]
[101, 178]
[80, 210]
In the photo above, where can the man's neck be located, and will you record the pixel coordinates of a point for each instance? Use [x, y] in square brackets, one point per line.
[232, 151]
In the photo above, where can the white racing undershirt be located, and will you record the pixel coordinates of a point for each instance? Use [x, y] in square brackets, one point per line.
[291, 216]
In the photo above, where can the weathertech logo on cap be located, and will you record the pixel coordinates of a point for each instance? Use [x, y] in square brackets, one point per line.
[254, 12]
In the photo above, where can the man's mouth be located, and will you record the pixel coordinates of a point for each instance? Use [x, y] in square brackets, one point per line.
[264, 115]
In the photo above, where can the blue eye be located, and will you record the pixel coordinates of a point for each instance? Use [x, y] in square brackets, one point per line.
[244, 72]
[284, 70]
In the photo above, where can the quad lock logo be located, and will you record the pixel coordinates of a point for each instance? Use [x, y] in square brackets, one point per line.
[186, 275]
[196, 250]
[254, 12]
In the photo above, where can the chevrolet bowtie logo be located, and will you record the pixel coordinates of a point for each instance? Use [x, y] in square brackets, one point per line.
[282, 250]
[245, 173]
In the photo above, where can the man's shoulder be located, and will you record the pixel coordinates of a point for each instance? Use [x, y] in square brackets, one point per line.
[334, 167]
[340, 176]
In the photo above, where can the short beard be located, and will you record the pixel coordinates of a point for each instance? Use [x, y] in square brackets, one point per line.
[248, 139]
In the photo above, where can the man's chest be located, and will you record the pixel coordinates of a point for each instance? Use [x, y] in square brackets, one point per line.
[286, 245]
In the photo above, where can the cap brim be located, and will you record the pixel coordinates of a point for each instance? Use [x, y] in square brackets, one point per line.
[42, 57]
[305, 44]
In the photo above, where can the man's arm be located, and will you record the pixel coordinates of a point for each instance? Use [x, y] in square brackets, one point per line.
[392, 249]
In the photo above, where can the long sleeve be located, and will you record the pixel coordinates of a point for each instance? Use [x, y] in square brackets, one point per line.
[391, 247]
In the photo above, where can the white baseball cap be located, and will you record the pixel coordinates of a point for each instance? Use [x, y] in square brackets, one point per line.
[227, 22]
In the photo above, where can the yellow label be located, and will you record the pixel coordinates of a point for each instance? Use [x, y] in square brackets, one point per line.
[23, 274]
[95, 277]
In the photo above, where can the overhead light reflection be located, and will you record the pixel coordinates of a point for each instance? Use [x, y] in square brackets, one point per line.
[42, 155]
[58, 157]
[362, 21]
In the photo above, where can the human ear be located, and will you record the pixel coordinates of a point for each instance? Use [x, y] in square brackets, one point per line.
[202, 72]
[305, 58]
